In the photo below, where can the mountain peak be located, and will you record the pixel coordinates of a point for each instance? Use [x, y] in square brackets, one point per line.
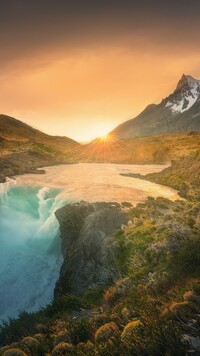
[186, 94]
[186, 80]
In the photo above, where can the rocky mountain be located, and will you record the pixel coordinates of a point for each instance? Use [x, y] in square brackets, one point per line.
[179, 112]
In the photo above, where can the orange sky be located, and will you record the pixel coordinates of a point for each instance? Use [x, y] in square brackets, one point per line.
[82, 87]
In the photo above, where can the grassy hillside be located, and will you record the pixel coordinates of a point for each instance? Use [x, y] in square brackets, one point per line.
[23, 148]
[141, 150]
[152, 309]
[183, 175]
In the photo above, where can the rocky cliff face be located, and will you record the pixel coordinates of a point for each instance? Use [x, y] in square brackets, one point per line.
[87, 244]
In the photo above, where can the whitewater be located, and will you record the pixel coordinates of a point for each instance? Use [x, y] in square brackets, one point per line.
[30, 249]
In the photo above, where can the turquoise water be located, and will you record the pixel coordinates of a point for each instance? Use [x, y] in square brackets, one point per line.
[30, 255]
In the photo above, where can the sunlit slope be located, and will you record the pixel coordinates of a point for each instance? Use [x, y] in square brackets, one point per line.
[141, 150]
[14, 133]
[23, 148]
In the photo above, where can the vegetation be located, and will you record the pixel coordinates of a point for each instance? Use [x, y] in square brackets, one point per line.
[153, 309]
[183, 175]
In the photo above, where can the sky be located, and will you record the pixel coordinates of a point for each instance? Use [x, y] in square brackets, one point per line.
[79, 68]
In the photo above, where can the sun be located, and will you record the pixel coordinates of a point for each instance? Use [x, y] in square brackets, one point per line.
[104, 138]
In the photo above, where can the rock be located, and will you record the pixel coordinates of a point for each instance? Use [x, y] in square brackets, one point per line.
[87, 231]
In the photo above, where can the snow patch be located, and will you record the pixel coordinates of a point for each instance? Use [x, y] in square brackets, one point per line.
[186, 98]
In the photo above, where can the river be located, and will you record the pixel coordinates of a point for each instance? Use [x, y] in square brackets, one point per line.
[30, 255]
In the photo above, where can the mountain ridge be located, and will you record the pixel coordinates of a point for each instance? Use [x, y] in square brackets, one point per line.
[178, 112]
[24, 149]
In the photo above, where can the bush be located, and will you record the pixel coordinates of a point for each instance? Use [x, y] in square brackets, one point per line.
[63, 304]
[14, 352]
[31, 344]
[130, 331]
[80, 330]
[183, 310]
[15, 329]
[107, 331]
[93, 296]
[62, 336]
[62, 349]
[196, 288]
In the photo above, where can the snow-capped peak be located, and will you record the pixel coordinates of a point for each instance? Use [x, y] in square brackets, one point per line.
[185, 96]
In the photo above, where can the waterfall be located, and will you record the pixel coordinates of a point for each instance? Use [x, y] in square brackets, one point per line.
[30, 255]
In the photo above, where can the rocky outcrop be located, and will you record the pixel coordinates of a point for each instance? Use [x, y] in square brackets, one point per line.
[87, 231]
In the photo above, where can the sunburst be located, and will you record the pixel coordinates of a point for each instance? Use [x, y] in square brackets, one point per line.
[105, 138]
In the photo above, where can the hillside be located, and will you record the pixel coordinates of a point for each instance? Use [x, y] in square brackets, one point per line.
[179, 112]
[23, 148]
[141, 150]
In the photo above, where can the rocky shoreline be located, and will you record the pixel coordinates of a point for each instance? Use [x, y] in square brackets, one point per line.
[27, 162]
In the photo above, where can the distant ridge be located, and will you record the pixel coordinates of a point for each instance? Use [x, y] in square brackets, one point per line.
[13, 129]
[179, 112]
[23, 149]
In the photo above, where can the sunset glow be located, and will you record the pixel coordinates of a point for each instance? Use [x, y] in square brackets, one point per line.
[76, 67]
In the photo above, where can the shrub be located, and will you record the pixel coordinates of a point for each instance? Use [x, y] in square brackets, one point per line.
[183, 310]
[15, 329]
[93, 296]
[99, 320]
[62, 349]
[196, 288]
[131, 332]
[105, 332]
[89, 347]
[14, 352]
[62, 336]
[132, 337]
[191, 297]
[31, 344]
[5, 348]
[40, 337]
[63, 304]
[80, 330]
[114, 293]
